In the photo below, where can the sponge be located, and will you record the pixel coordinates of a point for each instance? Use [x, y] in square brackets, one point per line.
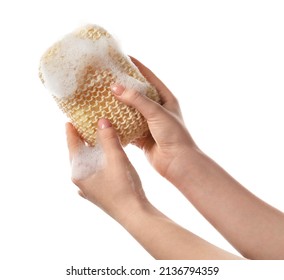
[79, 71]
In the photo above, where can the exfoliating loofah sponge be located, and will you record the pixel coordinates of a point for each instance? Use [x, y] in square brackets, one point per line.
[79, 70]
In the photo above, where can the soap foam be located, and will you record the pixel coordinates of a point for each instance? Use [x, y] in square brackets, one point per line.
[70, 56]
[87, 161]
[79, 71]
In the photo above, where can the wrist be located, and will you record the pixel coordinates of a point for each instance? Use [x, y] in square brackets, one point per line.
[129, 209]
[140, 220]
[182, 165]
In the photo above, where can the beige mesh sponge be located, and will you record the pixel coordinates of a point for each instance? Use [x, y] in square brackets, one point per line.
[79, 70]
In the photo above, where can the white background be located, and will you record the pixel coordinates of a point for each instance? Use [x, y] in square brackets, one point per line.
[222, 59]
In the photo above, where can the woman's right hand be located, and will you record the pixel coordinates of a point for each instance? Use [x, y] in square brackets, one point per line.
[169, 145]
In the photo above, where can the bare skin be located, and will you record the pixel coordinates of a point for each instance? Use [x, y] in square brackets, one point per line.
[116, 188]
[253, 227]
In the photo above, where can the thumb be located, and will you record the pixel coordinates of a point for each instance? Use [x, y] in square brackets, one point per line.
[150, 109]
[108, 138]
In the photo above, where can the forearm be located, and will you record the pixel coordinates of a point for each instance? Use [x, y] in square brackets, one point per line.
[164, 239]
[253, 227]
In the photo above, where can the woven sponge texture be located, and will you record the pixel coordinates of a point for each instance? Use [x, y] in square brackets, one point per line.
[92, 99]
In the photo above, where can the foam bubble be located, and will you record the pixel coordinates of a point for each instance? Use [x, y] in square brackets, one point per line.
[62, 71]
[63, 64]
[87, 161]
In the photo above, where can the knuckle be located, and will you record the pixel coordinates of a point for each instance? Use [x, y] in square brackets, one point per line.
[135, 97]
[108, 134]
[175, 101]
[153, 111]
[76, 181]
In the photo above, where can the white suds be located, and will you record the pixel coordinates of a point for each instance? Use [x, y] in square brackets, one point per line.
[62, 70]
[87, 161]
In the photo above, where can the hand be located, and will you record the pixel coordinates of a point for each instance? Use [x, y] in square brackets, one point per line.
[213, 192]
[169, 145]
[105, 177]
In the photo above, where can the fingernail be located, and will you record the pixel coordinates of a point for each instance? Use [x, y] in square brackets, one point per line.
[117, 89]
[104, 123]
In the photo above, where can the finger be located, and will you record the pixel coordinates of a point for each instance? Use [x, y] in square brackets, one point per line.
[165, 93]
[147, 107]
[81, 194]
[73, 140]
[108, 138]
